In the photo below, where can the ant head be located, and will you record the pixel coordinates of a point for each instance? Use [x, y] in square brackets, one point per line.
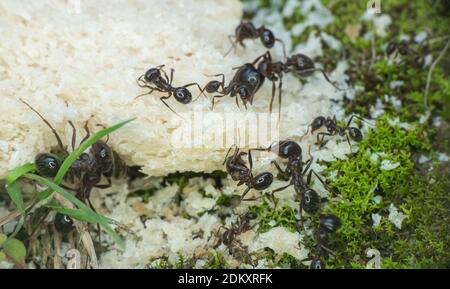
[289, 149]
[212, 86]
[182, 95]
[152, 74]
[317, 263]
[63, 223]
[103, 155]
[330, 223]
[310, 201]
[267, 38]
[317, 123]
[47, 165]
[244, 93]
[403, 48]
[263, 181]
[302, 64]
[355, 134]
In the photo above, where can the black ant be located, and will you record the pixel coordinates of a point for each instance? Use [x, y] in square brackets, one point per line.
[239, 171]
[333, 128]
[246, 30]
[154, 80]
[87, 170]
[246, 82]
[295, 170]
[229, 235]
[329, 224]
[299, 64]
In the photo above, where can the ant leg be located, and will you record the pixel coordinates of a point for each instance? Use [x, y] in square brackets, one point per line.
[308, 164]
[106, 185]
[171, 76]
[273, 96]
[250, 160]
[165, 74]
[88, 133]
[265, 56]
[279, 190]
[98, 225]
[277, 166]
[74, 135]
[214, 97]
[358, 117]
[148, 93]
[101, 125]
[195, 83]
[49, 125]
[228, 152]
[320, 179]
[323, 134]
[167, 97]
[284, 46]
[233, 44]
[325, 75]
[280, 85]
[245, 193]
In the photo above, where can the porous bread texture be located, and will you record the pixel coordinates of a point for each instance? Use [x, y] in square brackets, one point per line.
[81, 63]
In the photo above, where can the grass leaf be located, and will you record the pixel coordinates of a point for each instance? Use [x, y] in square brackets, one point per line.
[18, 172]
[16, 196]
[85, 213]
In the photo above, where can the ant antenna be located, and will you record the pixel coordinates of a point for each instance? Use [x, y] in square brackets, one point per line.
[48, 124]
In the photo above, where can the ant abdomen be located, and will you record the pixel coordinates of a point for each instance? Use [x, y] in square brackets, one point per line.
[310, 201]
[302, 64]
[263, 181]
[47, 165]
[182, 95]
[63, 224]
[355, 134]
[267, 38]
[317, 123]
[289, 149]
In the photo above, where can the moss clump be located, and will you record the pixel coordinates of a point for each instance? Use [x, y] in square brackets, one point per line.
[423, 240]
[270, 217]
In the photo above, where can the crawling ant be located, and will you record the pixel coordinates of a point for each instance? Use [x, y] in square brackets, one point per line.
[295, 170]
[329, 224]
[245, 83]
[299, 64]
[229, 235]
[86, 171]
[155, 80]
[404, 48]
[247, 30]
[238, 170]
[63, 223]
[333, 129]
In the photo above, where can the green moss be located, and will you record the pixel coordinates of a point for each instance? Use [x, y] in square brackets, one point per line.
[216, 261]
[423, 240]
[269, 217]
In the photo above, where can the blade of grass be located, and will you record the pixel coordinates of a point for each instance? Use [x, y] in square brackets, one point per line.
[18, 172]
[16, 196]
[88, 213]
